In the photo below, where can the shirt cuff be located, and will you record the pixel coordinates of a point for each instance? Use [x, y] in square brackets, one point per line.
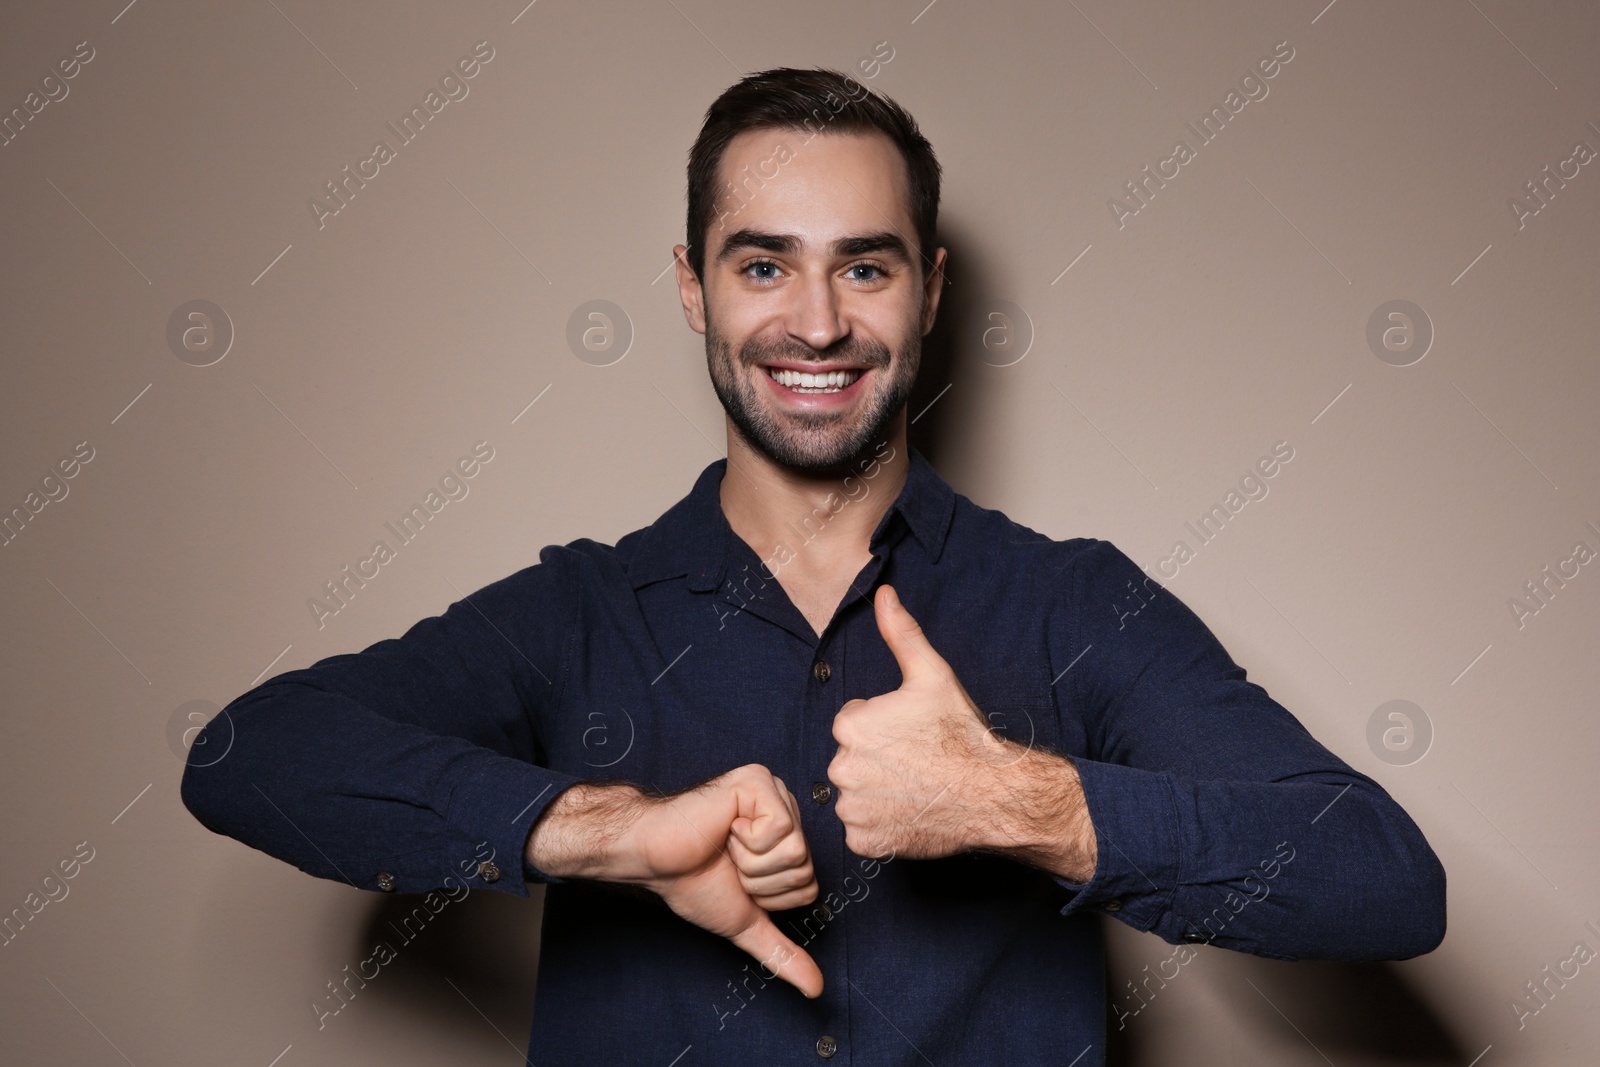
[1137, 841]
[496, 808]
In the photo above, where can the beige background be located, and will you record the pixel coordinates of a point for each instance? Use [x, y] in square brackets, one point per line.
[1229, 314]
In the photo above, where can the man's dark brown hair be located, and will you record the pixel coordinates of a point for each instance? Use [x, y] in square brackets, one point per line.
[813, 102]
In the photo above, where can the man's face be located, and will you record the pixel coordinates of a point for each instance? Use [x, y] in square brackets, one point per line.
[813, 303]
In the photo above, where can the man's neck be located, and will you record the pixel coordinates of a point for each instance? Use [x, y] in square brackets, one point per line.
[807, 521]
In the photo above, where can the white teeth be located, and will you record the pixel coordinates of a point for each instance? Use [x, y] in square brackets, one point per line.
[805, 381]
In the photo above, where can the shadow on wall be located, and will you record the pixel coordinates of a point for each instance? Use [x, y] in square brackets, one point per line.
[981, 335]
[1352, 1013]
[466, 972]
[942, 358]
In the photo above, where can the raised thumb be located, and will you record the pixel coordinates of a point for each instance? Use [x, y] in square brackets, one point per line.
[903, 634]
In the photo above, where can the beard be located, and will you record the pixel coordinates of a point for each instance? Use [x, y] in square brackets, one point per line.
[813, 441]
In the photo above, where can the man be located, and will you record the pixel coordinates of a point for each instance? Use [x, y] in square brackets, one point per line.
[828, 762]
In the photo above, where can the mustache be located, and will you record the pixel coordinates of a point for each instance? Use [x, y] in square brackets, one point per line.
[872, 354]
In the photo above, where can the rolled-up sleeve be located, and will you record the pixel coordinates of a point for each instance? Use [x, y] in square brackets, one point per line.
[410, 766]
[1218, 818]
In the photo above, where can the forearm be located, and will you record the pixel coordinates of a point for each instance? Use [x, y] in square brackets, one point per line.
[586, 833]
[1031, 808]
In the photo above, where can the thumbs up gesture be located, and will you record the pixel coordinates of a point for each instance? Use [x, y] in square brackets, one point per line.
[920, 773]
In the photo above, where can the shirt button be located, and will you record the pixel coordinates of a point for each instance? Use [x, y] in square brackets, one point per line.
[823, 912]
[827, 1046]
[1112, 905]
[821, 792]
[1193, 937]
[488, 871]
[386, 881]
[821, 671]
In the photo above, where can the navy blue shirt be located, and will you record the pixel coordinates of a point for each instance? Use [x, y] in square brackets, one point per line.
[420, 764]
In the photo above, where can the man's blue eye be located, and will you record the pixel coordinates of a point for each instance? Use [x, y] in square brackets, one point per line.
[877, 271]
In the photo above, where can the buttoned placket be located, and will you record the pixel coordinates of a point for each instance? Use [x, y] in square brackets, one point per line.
[747, 587]
[828, 688]
[823, 685]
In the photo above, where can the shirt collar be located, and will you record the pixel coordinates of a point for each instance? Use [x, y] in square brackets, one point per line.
[691, 538]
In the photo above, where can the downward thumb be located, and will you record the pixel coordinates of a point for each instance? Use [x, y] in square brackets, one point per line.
[780, 956]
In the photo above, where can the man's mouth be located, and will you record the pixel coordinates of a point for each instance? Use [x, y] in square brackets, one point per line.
[808, 382]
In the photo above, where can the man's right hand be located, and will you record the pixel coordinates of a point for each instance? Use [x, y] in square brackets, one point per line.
[721, 855]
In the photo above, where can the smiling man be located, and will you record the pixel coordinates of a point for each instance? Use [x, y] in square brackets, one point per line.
[828, 762]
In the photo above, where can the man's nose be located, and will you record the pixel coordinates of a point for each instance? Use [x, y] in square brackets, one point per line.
[814, 311]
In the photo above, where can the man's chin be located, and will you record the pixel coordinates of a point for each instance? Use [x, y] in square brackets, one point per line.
[832, 451]
[823, 465]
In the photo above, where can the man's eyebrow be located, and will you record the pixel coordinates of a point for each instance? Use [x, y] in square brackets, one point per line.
[882, 241]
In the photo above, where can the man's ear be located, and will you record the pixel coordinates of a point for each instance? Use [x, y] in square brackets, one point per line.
[932, 288]
[690, 293]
